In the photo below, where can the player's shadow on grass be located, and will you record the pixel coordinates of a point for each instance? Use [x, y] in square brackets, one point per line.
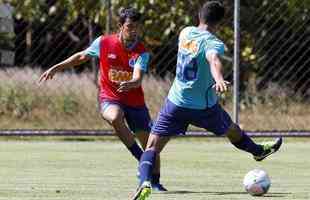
[202, 192]
[274, 194]
[277, 194]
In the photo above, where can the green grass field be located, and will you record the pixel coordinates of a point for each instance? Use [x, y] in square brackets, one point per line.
[204, 168]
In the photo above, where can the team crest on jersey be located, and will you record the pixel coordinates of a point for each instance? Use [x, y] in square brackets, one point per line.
[132, 59]
[112, 56]
[189, 45]
[132, 62]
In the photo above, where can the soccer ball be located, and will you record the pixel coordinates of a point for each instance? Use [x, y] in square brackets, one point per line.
[256, 182]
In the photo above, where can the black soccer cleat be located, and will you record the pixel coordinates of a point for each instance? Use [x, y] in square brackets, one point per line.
[269, 148]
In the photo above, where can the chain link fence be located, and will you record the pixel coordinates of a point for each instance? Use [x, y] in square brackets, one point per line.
[274, 67]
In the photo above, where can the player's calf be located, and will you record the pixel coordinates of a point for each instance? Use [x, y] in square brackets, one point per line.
[242, 141]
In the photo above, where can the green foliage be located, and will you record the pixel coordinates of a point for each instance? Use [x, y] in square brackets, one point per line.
[16, 101]
[6, 40]
[34, 10]
[162, 18]
[65, 103]
[68, 104]
[28, 9]
[297, 5]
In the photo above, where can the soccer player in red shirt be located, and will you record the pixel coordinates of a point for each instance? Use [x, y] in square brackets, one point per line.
[123, 62]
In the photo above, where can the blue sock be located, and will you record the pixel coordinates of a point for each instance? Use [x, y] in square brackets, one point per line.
[146, 165]
[155, 178]
[248, 145]
[136, 151]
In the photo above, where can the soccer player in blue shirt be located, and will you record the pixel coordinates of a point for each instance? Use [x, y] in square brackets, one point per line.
[193, 99]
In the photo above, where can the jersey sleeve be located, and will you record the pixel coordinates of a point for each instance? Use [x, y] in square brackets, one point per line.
[143, 61]
[214, 46]
[94, 49]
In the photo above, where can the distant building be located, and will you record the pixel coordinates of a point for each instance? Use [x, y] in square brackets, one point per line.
[6, 34]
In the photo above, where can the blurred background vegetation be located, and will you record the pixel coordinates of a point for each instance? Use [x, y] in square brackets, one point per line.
[274, 51]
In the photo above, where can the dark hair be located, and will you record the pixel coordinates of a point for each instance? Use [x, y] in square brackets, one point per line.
[130, 13]
[211, 12]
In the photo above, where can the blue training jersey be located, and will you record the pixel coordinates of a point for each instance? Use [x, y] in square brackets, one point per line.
[142, 61]
[192, 87]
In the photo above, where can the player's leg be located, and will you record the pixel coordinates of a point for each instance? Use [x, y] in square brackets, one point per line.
[114, 115]
[156, 185]
[169, 122]
[242, 141]
[139, 121]
[155, 145]
[219, 122]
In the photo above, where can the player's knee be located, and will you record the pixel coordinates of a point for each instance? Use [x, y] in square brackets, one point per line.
[153, 143]
[150, 145]
[117, 120]
[114, 118]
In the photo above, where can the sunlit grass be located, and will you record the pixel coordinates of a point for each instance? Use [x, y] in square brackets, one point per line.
[195, 169]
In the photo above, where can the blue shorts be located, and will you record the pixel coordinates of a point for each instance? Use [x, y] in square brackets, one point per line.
[174, 120]
[137, 118]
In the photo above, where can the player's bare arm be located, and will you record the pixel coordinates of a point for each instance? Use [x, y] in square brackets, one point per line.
[135, 82]
[74, 60]
[216, 70]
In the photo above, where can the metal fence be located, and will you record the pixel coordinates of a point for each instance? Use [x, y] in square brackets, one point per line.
[274, 64]
[275, 69]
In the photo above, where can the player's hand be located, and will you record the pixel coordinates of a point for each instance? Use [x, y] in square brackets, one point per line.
[126, 86]
[47, 75]
[221, 86]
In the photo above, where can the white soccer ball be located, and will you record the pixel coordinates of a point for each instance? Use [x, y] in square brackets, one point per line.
[256, 182]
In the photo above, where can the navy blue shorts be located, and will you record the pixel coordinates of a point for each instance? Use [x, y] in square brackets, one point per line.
[174, 120]
[137, 118]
